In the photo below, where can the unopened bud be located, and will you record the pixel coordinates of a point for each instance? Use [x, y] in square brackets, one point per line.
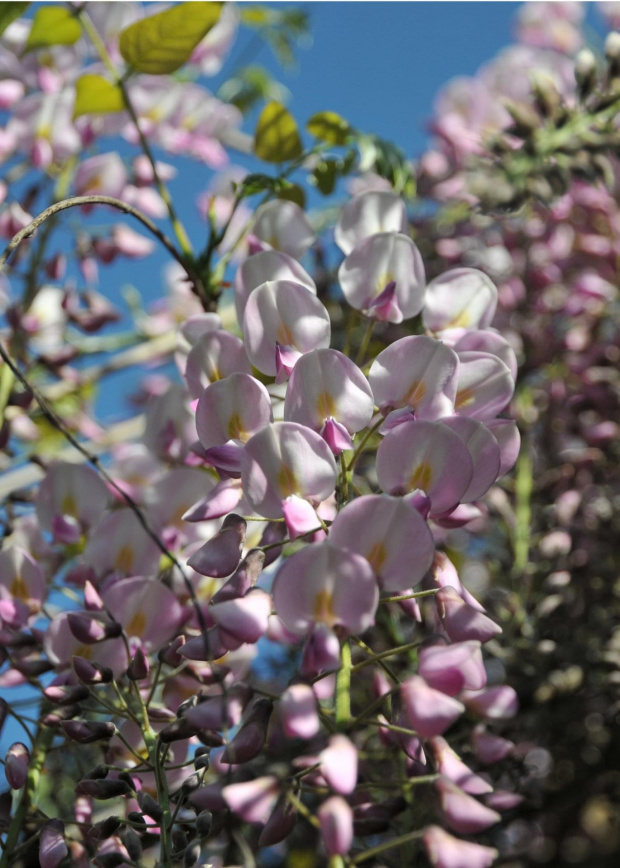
[89, 629]
[106, 789]
[192, 854]
[88, 731]
[105, 828]
[204, 822]
[150, 807]
[179, 841]
[137, 819]
[585, 71]
[139, 668]
[132, 844]
[612, 47]
[65, 694]
[170, 655]
[16, 765]
[250, 739]
[178, 730]
[91, 673]
[98, 773]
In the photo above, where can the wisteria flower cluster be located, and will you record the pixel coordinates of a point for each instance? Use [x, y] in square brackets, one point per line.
[244, 621]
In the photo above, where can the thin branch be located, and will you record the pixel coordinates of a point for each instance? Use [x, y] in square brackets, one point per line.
[75, 202]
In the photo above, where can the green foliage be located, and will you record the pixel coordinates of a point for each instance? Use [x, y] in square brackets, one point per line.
[52, 25]
[329, 127]
[162, 43]
[282, 29]
[96, 95]
[251, 85]
[10, 12]
[388, 161]
[324, 176]
[277, 136]
[292, 193]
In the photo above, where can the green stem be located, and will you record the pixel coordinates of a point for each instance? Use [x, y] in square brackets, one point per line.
[361, 353]
[415, 595]
[523, 513]
[344, 480]
[42, 742]
[380, 848]
[343, 687]
[363, 442]
[179, 229]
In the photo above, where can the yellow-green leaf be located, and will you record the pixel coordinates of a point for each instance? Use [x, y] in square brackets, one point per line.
[52, 25]
[293, 193]
[329, 127]
[10, 12]
[162, 43]
[277, 137]
[96, 95]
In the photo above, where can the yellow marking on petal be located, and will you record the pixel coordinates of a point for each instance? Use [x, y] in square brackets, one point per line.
[415, 393]
[124, 559]
[92, 186]
[460, 321]
[383, 281]
[377, 557]
[235, 429]
[325, 405]
[421, 477]
[463, 398]
[287, 481]
[213, 372]
[69, 506]
[207, 588]
[284, 336]
[19, 590]
[136, 625]
[323, 612]
[85, 651]
[44, 131]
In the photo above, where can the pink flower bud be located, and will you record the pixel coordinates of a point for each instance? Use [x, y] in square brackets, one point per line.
[298, 712]
[245, 618]
[336, 820]
[139, 668]
[339, 764]
[89, 629]
[91, 673]
[450, 765]
[451, 668]
[429, 712]
[52, 847]
[243, 579]
[253, 801]
[463, 622]
[220, 556]
[446, 851]
[88, 731]
[279, 825]
[250, 738]
[489, 748]
[494, 703]
[16, 765]
[464, 814]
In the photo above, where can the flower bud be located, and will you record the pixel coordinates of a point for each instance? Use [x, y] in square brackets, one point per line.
[66, 694]
[105, 828]
[88, 731]
[132, 844]
[89, 629]
[106, 789]
[464, 814]
[91, 673]
[585, 71]
[298, 712]
[446, 851]
[245, 577]
[178, 730]
[16, 765]
[150, 807]
[250, 738]
[52, 847]
[336, 821]
[139, 668]
[204, 822]
[339, 764]
[279, 825]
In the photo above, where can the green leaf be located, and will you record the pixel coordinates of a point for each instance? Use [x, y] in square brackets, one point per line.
[52, 25]
[258, 183]
[162, 43]
[277, 137]
[329, 127]
[325, 175]
[293, 193]
[10, 12]
[96, 95]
